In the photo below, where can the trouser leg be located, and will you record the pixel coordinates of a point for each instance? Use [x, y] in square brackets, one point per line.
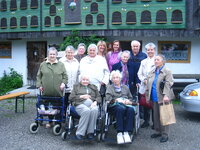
[93, 119]
[146, 114]
[164, 130]
[84, 113]
[129, 115]
[119, 112]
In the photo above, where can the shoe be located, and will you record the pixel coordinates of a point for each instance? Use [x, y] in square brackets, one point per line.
[127, 138]
[79, 137]
[90, 136]
[163, 139]
[120, 139]
[48, 125]
[155, 135]
[144, 125]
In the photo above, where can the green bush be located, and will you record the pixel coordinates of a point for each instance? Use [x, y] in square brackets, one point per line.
[74, 39]
[10, 81]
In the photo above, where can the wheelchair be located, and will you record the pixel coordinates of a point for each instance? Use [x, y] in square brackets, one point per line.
[110, 120]
[72, 119]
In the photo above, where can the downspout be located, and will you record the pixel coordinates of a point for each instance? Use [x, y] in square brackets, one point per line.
[108, 11]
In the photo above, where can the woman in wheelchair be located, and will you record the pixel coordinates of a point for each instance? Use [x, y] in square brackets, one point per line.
[120, 104]
[85, 97]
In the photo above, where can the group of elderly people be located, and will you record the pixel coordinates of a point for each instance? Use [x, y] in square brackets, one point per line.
[123, 72]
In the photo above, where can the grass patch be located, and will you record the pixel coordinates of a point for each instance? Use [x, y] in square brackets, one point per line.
[176, 101]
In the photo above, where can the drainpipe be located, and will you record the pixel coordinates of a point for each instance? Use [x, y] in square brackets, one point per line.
[108, 11]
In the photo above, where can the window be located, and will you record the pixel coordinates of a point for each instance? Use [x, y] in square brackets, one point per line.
[146, 0]
[3, 23]
[161, 16]
[146, 17]
[131, 1]
[175, 51]
[52, 10]
[94, 8]
[13, 22]
[13, 5]
[23, 22]
[23, 4]
[57, 21]
[47, 2]
[3, 5]
[57, 1]
[88, 0]
[161, 0]
[116, 18]
[89, 20]
[34, 4]
[47, 21]
[177, 16]
[34, 21]
[5, 50]
[100, 19]
[116, 1]
[131, 17]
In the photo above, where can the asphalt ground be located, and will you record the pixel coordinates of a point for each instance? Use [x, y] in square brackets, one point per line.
[15, 134]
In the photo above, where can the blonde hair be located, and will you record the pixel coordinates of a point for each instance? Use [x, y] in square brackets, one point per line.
[104, 44]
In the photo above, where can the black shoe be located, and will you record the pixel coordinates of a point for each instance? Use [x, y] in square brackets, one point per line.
[79, 137]
[163, 139]
[155, 135]
[90, 136]
[144, 125]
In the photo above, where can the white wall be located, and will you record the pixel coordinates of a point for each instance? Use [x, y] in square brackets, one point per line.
[18, 60]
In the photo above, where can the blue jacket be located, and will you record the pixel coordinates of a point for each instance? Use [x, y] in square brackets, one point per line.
[133, 67]
[117, 66]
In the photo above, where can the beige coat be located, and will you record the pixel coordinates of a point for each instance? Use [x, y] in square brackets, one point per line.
[165, 74]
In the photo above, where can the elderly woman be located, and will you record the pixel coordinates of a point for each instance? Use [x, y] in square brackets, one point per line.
[80, 52]
[120, 105]
[122, 66]
[85, 97]
[72, 68]
[113, 56]
[146, 66]
[95, 66]
[158, 95]
[51, 76]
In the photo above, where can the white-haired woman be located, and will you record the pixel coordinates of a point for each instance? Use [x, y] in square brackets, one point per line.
[120, 105]
[85, 97]
[72, 68]
[95, 66]
[146, 66]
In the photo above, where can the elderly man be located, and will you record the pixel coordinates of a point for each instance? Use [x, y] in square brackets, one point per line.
[134, 61]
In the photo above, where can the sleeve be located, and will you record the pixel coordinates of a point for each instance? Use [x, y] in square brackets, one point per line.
[39, 77]
[140, 72]
[64, 75]
[106, 72]
[109, 95]
[73, 96]
[97, 95]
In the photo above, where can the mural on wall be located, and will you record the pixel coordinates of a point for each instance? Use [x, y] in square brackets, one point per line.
[72, 12]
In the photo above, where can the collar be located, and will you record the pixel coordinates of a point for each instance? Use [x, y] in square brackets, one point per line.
[47, 61]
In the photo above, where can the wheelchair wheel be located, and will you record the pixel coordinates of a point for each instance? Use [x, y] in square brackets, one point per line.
[64, 135]
[57, 129]
[34, 128]
[103, 136]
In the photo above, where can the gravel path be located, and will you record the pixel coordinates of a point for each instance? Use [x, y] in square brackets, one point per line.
[15, 135]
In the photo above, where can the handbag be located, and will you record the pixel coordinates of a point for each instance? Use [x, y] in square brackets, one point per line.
[167, 115]
[143, 102]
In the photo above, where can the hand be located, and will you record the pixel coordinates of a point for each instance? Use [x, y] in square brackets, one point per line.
[94, 104]
[41, 89]
[166, 99]
[119, 100]
[62, 86]
[128, 102]
[145, 81]
[85, 96]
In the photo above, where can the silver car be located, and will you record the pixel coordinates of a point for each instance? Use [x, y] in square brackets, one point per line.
[190, 98]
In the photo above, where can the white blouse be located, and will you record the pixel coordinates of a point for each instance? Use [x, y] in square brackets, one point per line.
[72, 68]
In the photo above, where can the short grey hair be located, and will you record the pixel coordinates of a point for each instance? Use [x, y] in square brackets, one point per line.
[150, 45]
[81, 44]
[126, 52]
[93, 45]
[70, 47]
[135, 41]
[52, 49]
[82, 75]
[162, 57]
[115, 72]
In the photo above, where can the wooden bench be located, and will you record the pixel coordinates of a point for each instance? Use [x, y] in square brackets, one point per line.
[17, 96]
